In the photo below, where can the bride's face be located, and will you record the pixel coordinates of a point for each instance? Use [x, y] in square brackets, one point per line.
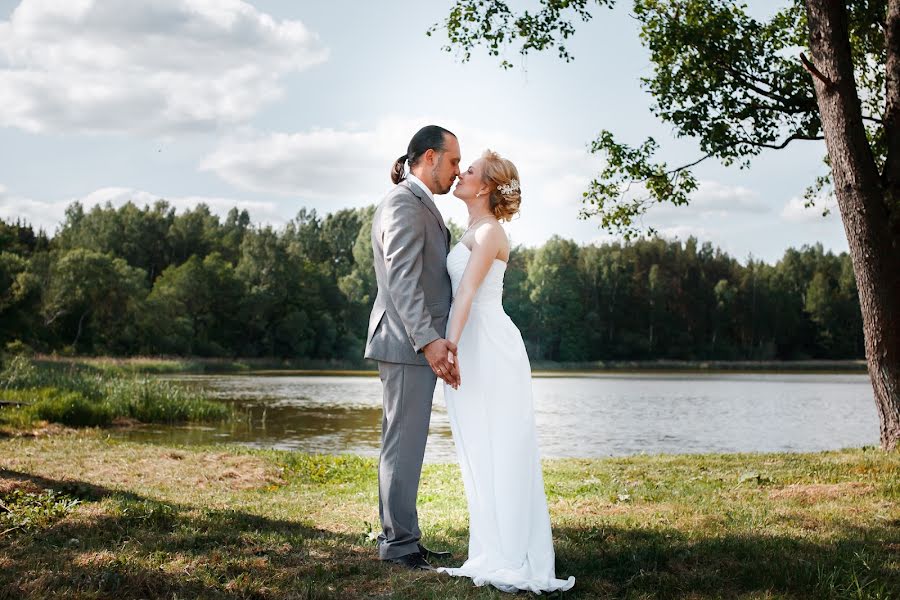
[470, 182]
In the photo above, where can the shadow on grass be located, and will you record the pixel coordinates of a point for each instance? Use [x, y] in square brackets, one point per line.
[123, 545]
[616, 562]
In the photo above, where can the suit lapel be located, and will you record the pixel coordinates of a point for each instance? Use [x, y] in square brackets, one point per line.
[429, 204]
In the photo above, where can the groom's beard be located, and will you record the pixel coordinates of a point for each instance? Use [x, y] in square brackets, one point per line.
[435, 178]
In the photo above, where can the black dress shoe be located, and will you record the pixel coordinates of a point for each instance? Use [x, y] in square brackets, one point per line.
[433, 553]
[414, 561]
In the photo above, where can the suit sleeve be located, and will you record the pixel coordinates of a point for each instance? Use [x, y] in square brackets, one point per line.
[403, 239]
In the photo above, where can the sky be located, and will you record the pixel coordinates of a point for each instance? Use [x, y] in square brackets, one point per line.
[277, 105]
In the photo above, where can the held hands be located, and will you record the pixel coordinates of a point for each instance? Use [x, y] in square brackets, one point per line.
[441, 355]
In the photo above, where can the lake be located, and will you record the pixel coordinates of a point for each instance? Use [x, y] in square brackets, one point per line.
[585, 416]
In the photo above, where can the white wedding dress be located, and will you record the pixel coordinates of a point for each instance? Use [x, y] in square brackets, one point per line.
[492, 421]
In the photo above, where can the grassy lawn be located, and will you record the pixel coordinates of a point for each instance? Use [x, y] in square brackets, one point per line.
[84, 516]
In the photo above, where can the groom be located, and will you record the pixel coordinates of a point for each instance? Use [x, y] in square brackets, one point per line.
[406, 331]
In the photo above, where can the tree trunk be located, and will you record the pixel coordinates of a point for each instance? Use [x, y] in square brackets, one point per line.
[863, 198]
[80, 324]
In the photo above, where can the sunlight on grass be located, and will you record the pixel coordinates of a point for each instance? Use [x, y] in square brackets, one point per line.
[156, 521]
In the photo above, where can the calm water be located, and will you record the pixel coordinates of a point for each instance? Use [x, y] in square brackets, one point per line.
[580, 416]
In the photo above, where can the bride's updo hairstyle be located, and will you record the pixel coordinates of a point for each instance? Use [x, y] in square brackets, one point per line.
[430, 137]
[503, 177]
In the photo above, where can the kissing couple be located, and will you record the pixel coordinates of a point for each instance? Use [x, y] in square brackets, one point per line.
[439, 313]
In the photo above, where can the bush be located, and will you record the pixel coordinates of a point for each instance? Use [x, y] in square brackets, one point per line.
[73, 409]
[18, 347]
[81, 396]
[154, 401]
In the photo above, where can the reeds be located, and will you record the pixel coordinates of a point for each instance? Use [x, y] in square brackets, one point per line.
[82, 396]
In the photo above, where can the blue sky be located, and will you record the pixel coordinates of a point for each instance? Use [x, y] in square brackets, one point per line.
[275, 105]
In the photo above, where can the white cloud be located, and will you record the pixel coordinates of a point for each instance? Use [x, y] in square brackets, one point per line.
[351, 165]
[319, 164]
[712, 200]
[720, 198]
[332, 163]
[144, 66]
[41, 215]
[48, 215]
[795, 211]
[683, 232]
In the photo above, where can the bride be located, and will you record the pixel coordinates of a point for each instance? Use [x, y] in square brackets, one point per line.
[491, 413]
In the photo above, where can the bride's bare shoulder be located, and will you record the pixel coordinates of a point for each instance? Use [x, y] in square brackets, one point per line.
[492, 235]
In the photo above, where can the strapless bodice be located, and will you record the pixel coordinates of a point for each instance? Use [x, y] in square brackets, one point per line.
[490, 292]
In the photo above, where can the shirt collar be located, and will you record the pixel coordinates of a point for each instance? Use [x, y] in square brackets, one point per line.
[413, 179]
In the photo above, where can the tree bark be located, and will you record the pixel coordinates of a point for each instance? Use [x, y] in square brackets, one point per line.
[80, 323]
[891, 173]
[864, 201]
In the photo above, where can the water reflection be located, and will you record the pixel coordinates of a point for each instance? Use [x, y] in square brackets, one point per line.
[598, 415]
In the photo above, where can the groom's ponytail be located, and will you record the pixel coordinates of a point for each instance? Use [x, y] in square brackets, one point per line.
[430, 137]
[397, 170]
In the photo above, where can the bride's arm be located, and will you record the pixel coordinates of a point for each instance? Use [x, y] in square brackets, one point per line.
[488, 241]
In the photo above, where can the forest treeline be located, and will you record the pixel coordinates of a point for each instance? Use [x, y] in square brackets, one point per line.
[144, 280]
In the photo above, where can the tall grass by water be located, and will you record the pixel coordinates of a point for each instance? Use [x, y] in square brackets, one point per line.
[79, 395]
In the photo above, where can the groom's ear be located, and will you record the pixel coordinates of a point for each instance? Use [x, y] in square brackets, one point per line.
[429, 156]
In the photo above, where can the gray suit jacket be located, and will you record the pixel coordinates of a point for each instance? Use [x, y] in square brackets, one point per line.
[410, 244]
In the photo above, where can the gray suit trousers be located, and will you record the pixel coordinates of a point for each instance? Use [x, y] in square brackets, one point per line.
[408, 391]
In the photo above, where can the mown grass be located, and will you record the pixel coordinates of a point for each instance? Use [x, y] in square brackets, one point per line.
[166, 522]
[80, 396]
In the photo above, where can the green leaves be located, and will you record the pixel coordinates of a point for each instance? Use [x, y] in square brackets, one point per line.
[726, 79]
[28, 511]
[91, 289]
[732, 82]
[630, 183]
[492, 24]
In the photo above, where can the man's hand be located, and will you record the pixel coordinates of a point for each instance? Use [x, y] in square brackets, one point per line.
[438, 354]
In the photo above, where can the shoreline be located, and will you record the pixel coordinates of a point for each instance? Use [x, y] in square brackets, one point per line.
[268, 367]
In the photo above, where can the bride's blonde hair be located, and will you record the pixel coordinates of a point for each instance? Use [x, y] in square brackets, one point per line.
[503, 177]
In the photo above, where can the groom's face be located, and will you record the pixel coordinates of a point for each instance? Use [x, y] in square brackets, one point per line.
[446, 166]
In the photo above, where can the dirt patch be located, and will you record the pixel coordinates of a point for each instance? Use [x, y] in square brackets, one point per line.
[818, 492]
[205, 470]
[103, 558]
[125, 467]
[121, 422]
[43, 429]
[8, 486]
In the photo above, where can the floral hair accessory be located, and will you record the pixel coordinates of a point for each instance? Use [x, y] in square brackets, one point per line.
[509, 188]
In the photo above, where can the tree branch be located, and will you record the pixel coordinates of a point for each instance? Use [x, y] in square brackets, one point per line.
[788, 140]
[744, 79]
[779, 146]
[689, 165]
[816, 72]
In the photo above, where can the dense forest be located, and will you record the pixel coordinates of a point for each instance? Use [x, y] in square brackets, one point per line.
[145, 280]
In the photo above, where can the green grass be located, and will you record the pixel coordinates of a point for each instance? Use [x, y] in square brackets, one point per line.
[81, 396]
[137, 521]
[271, 366]
[175, 365]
